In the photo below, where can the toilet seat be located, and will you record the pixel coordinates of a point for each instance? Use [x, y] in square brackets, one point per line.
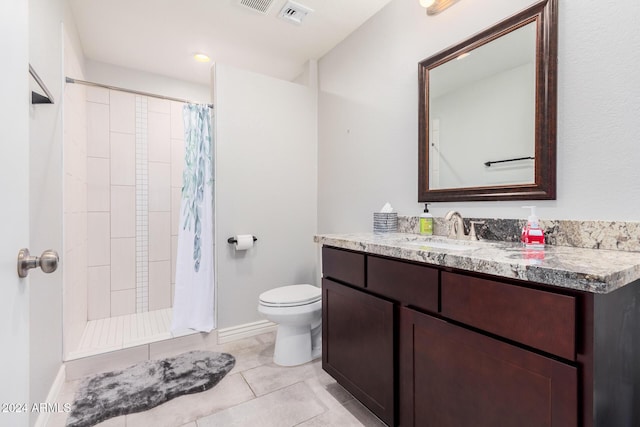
[297, 310]
[291, 296]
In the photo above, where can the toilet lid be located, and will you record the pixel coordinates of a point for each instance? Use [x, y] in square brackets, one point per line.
[288, 296]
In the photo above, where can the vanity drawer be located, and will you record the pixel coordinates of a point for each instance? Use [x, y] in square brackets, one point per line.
[344, 266]
[410, 284]
[539, 319]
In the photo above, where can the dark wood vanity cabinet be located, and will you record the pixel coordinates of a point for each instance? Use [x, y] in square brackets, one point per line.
[430, 346]
[360, 299]
[358, 345]
[452, 376]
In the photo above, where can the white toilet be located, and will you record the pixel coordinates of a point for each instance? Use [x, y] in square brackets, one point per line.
[297, 310]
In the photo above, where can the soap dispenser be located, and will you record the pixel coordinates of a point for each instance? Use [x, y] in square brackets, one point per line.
[426, 222]
[532, 234]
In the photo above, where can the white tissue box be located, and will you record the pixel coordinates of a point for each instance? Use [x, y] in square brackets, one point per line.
[385, 222]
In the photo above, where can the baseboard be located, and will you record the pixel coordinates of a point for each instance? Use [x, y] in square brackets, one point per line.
[52, 396]
[244, 331]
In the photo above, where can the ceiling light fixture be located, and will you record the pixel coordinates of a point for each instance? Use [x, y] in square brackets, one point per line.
[201, 57]
[436, 6]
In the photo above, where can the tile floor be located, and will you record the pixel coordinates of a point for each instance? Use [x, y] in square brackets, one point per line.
[256, 393]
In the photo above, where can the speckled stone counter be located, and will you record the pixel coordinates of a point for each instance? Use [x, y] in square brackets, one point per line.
[592, 270]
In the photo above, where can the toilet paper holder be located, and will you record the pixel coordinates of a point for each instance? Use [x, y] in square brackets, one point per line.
[232, 240]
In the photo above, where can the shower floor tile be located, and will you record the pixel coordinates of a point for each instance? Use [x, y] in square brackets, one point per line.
[120, 332]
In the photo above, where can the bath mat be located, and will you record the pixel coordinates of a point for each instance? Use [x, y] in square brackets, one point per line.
[146, 385]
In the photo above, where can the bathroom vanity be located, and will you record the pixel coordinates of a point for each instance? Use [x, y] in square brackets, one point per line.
[431, 332]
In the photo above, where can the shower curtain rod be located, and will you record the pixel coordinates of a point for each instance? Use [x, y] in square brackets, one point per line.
[137, 92]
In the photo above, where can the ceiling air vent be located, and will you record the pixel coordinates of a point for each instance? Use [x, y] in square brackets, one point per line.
[261, 6]
[294, 12]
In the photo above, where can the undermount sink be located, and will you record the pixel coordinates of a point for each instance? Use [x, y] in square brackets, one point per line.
[437, 244]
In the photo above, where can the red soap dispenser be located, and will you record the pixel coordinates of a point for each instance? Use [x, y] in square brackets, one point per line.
[532, 235]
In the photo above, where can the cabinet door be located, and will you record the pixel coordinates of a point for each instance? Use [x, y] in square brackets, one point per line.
[357, 345]
[451, 376]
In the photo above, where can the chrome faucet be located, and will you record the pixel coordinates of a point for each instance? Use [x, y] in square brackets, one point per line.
[456, 225]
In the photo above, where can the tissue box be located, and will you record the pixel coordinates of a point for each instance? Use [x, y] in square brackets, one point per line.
[385, 222]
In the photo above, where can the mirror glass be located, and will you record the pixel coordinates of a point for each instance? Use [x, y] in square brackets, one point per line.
[487, 113]
[492, 91]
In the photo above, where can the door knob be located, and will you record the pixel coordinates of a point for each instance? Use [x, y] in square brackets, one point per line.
[48, 261]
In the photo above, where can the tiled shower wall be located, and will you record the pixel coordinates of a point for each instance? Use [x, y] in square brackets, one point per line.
[135, 156]
[74, 266]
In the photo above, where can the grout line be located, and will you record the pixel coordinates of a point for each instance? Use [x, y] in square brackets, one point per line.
[249, 385]
[135, 333]
[113, 330]
[95, 336]
[168, 314]
[119, 331]
[155, 323]
[148, 330]
[84, 339]
[163, 321]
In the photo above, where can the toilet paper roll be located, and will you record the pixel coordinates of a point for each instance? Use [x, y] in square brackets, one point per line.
[244, 242]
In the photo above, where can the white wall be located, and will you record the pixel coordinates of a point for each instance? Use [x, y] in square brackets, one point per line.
[266, 157]
[14, 221]
[368, 114]
[127, 78]
[45, 184]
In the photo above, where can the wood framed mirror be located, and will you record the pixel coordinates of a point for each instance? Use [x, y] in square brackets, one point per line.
[487, 113]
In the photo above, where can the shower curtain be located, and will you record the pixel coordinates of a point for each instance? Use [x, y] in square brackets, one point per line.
[193, 306]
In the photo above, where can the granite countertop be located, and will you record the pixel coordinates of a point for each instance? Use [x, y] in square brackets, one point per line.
[592, 270]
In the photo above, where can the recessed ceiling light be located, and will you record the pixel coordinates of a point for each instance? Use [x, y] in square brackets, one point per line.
[426, 3]
[463, 55]
[201, 57]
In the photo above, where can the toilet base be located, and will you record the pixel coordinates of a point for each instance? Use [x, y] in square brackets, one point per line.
[294, 346]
